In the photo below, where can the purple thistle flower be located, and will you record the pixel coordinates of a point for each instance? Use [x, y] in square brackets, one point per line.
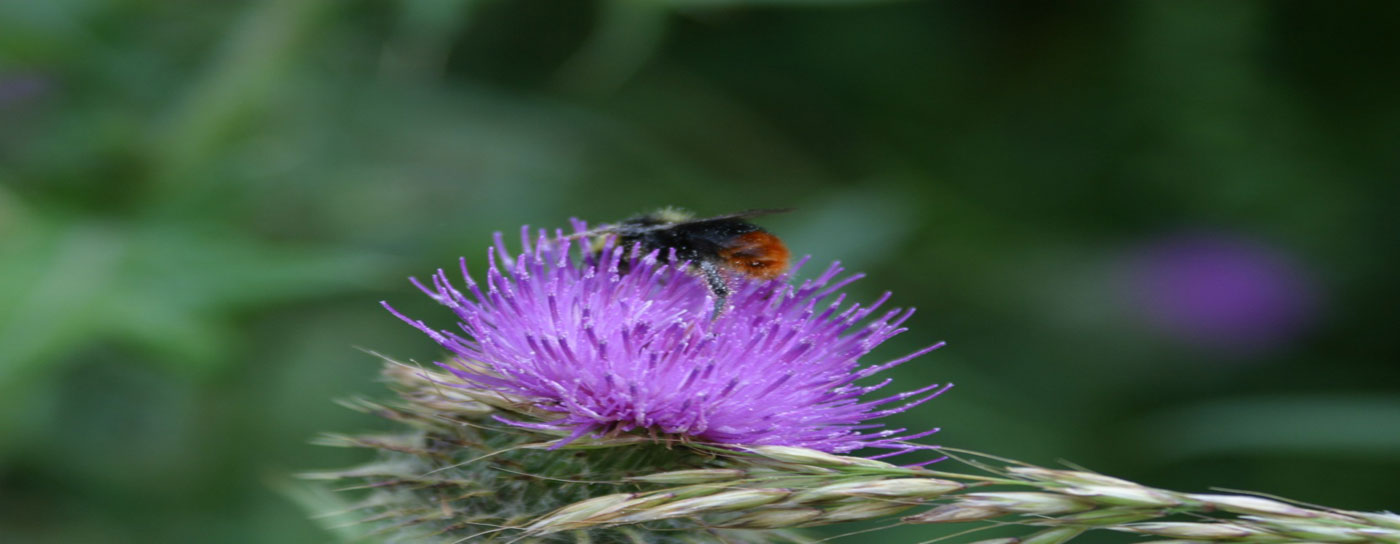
[639, 351]
[1227, 293]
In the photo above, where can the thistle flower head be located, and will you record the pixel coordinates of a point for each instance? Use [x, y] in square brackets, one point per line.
[616, 340]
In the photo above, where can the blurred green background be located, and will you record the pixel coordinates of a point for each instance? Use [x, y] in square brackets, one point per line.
[1159, 236]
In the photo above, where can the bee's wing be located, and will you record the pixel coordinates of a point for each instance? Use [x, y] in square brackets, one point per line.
[743, 214]
[614, 228]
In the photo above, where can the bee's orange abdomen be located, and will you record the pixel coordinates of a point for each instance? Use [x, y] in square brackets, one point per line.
[757, 254]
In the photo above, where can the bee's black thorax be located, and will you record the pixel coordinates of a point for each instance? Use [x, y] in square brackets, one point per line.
[694, 241]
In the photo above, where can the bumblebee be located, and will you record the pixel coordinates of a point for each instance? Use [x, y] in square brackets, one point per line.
[718, 247]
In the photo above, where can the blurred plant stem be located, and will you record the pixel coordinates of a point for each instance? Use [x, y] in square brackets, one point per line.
[625, 36]
[236, 88]
[423, 37]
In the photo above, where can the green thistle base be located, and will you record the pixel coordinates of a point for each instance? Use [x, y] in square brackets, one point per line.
[460, 474]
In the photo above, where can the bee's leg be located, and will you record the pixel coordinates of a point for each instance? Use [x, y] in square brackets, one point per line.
[717, 286]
